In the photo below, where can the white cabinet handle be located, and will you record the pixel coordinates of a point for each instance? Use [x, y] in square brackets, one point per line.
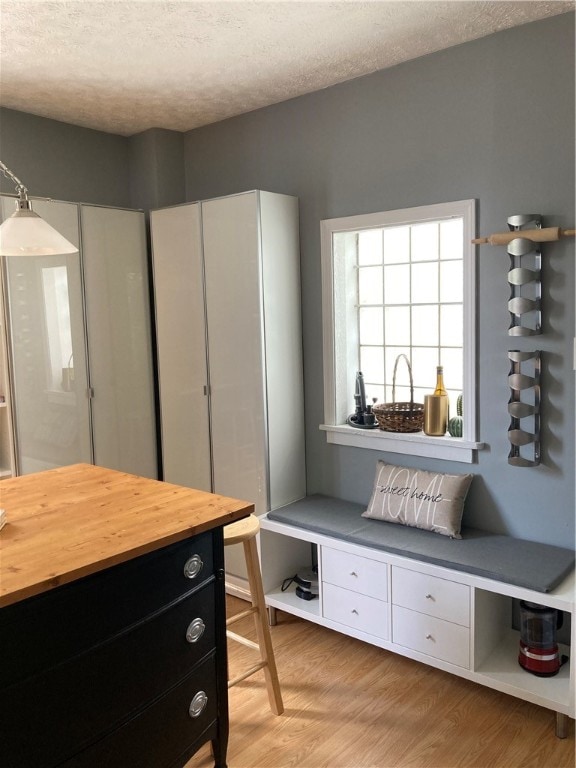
[429, 637]
[355, 611]
[429, 597]
[353, 573]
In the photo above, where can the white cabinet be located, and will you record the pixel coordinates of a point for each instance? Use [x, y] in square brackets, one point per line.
[360, 574]
[7, 457]
[433, 637]
[455, 621]
[445, 599]
[431, 615]
[355, 591]
[119, 334]
[227, 302]
[355, 611]
[78, 337]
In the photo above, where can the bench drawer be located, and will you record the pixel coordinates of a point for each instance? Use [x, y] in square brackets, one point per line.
[431, 595]
[359, 574]
[434, 637]
[355, 610]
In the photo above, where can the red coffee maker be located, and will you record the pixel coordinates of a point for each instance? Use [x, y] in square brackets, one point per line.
[538, 651]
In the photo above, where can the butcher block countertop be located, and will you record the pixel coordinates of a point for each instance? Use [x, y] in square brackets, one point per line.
[66, 523]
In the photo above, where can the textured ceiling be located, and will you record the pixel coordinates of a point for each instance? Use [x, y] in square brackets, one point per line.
[126, 66]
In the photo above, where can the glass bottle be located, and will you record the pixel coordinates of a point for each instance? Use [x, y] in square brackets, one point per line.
[440, 388]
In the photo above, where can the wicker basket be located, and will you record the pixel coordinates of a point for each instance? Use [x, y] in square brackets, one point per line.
[400, 417]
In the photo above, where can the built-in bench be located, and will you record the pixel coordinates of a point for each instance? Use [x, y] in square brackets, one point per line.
[449, 603]
[529, 564]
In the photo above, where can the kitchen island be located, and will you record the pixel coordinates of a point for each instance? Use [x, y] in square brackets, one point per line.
[112, 620]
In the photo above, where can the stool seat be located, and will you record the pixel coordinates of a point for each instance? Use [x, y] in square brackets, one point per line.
[244, 532]
[243, 529]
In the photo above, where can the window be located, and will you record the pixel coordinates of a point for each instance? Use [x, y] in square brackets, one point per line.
[400, 282]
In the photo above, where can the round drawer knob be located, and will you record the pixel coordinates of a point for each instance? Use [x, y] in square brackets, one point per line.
[195, 630]
[193, 566]
[198, 704]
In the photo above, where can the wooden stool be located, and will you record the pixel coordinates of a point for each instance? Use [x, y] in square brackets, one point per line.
[245, 531]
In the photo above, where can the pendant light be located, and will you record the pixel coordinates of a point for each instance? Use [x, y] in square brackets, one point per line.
[25, 233]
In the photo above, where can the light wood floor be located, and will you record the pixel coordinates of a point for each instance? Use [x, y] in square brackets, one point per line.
[351, 705]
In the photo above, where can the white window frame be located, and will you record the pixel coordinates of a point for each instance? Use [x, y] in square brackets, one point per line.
[340, 372]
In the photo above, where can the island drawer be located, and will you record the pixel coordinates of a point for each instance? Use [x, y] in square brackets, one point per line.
[75, 617]
[108, 683]
[159, 735]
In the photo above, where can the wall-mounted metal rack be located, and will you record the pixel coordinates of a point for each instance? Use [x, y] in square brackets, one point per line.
[524, 278]
[524, 404]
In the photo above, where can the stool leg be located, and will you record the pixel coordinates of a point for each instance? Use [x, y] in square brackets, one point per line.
[262, 629]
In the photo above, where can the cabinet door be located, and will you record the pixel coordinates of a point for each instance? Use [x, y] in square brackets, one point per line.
[181, 339]
[283, 347]
[119, 339]
[234, 310]
[47, 350]
[7, 455]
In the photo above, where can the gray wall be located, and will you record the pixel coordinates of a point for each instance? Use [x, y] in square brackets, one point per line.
[156, 168]
[491, 120]
[64, 162]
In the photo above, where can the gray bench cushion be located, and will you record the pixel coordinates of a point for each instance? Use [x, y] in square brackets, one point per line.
[540, 567]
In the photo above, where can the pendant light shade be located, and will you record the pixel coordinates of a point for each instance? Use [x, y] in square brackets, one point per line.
[27, 234]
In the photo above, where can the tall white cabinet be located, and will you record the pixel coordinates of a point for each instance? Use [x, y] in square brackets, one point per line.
[228, 324]
[119, 332]
[7, 456]
[78, 350]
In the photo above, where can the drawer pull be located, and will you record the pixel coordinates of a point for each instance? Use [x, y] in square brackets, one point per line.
[195, 630]
[353, 573]
[355, 611]
[193, 566]
[198, 704]
[429, 637]
[429, 597]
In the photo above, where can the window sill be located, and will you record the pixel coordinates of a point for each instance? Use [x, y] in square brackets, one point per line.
[414, 443]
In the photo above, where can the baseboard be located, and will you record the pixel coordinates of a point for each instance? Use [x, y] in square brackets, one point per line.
[238, 587]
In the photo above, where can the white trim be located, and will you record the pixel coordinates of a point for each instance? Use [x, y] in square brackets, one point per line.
[415, 444]
[238, 587]
[328, 321]
[469, 359]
